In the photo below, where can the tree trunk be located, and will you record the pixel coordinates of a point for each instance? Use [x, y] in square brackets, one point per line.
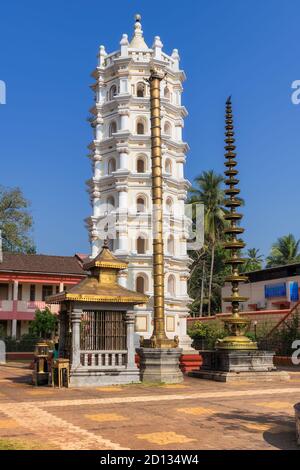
[211, 277]
[202, 291]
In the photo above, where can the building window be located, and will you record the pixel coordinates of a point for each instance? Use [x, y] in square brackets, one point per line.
[140, 204]
[112, 128]
[32, 293]
[168, 166]
[167, 93]
[141, 245]
[112, 92]
[171, 285]
[140, 284]
[169, 206]
[167, 129]
[140, 92]
[46, 291]
[140, 165]
[111, 166]
[3, 291]
[110, 204]
[170, 245]
[20, 289]
[140, 128]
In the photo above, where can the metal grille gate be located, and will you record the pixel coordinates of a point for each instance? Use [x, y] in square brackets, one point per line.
[102, 331]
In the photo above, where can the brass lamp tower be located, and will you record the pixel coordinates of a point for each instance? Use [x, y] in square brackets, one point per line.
[236, 326]
[159, 338]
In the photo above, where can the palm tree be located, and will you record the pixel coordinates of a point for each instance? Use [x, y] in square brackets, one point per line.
[284, 251]
[209, 192]
[254, 260]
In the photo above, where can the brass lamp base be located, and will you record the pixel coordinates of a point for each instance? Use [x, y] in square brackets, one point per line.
[236, 327]
[235, 342]
[159, 342]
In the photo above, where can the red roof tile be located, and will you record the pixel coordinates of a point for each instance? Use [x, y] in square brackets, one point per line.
[41, 264]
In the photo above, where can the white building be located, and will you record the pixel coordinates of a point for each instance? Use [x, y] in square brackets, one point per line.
[120, 189]
[275, 288]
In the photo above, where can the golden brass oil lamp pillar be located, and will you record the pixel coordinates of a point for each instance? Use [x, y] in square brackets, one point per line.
[159, 338]
[235, 325]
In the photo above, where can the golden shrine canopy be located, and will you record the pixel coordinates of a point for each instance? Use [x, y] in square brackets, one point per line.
[101, 284]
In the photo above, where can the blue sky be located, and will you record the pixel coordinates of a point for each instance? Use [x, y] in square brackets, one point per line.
[245, 48]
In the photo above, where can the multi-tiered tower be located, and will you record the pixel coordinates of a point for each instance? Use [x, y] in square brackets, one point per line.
[120, 189]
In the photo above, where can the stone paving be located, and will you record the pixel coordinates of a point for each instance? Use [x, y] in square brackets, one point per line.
[197, 414]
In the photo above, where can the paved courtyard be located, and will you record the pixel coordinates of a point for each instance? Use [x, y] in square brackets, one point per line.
[195, 415]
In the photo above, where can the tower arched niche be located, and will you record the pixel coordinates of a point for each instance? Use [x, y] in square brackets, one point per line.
[112, 128]
[141, 125]
[141, 163]
[141, 203]
[171, 285]
[168, 128]
[140, 90]
[142, 282]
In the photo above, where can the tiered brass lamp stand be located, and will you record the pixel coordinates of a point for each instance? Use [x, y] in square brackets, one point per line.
[235, 357]
[159, 355]
[235, 325]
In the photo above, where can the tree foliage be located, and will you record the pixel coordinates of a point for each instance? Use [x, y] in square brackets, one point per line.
[210, 332]
[15, 221]
[204, 286]
[253, 260]
[44, 324]
[284, 251]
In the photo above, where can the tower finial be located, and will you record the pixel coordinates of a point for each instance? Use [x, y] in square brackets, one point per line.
[137, 41]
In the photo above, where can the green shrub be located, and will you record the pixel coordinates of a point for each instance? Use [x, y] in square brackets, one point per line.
[44, 324]
[25, 344]
[208, 331]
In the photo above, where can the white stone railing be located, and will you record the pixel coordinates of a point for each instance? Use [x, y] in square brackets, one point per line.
[103, 359]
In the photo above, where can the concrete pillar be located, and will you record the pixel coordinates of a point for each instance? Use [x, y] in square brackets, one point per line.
[130, 319]
[180, 170]
[76, 320]
[123, 243]
[98, 167]
[96, 203]
[123, 199]
[15, 290]
[99, 131]
[14, 328]
[124, 121]
[15, 299]
[178, 133]
[61, 287]
[123, 161]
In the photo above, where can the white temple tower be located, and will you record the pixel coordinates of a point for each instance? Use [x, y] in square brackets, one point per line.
[120, 189]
